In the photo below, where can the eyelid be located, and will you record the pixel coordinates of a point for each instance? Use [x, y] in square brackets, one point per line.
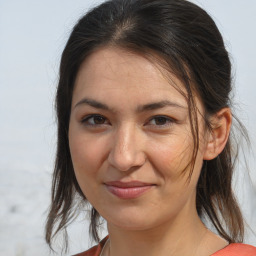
[169, 120]
[85, 119]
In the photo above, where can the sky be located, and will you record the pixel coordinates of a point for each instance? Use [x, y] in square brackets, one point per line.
[32, 37]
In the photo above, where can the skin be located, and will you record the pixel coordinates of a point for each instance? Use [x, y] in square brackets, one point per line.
[119, 139]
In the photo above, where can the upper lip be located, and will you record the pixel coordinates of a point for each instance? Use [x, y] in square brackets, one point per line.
[129, 184]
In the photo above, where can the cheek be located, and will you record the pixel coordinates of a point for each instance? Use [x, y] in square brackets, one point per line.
[172, 154]
[87, 155]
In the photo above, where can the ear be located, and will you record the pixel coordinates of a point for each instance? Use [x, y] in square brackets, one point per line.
[217, 139]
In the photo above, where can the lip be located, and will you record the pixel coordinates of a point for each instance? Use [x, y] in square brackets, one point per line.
[128, 190]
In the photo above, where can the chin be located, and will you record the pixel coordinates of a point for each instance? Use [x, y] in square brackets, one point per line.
[136, 220]
[131, 225]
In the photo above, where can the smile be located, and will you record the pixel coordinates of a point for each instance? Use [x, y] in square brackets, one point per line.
[128, 190]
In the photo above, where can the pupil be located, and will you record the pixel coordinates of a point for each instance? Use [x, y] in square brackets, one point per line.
[160, 120]
[99, 120]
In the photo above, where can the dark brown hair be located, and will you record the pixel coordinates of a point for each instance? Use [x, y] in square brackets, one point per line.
[186, 39]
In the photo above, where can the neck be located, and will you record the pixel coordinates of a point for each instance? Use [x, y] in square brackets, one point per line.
[176, 237]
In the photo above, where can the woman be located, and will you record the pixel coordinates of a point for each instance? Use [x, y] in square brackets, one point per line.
[144, 120]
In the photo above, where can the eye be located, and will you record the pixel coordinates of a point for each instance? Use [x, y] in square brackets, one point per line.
[94, 120]
[161, 121]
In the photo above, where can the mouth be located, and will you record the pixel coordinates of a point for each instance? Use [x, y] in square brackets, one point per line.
[128, 190]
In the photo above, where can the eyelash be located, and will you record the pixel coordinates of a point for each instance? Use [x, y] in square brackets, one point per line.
[168, 121]
[86, 119]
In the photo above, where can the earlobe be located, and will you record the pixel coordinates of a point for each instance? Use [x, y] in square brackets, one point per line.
[217, 139]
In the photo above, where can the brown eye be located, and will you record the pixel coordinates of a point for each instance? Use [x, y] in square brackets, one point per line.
[161, 121]
[94, 120]
[99, 120]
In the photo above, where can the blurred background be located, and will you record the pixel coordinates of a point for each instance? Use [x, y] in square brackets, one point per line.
[32, 37]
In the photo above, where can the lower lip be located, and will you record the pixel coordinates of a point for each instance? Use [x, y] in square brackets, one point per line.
[128, 193]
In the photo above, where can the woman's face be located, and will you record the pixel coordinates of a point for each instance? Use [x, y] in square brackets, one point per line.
[130, 141]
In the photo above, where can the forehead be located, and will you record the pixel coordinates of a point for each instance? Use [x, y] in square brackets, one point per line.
[116, 72]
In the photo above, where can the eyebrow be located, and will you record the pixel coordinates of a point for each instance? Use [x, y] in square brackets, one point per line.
[92, 103]
[157, 105]
[141, 108]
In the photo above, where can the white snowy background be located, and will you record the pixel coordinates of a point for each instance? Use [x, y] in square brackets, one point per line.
[32, 36]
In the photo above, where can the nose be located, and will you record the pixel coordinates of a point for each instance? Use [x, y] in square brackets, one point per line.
[127, 149]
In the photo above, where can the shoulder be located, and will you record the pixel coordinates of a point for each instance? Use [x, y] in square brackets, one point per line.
[95, 250]
[237, 250]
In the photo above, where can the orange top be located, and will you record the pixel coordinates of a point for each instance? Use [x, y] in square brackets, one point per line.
[236, 250]
[230, 250]
[95, 250]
